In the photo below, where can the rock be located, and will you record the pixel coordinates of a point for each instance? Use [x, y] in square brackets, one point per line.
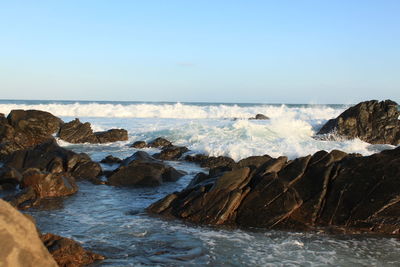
[9, 178]
[211, 162]
[159, 142]
[50, 157]
[67, 252]
[371, 121]
[143, 170]
[111, 160]
[171, 153]
[112, 135]
[26, 128]
[139, 144]
[260, 117]
[325, 191]
[19, 240]
[76, 132]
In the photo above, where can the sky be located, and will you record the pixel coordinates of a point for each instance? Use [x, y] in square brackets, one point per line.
[297, 51]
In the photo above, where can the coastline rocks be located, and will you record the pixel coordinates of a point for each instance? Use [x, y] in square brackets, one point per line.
[111, 160]
[142, 170]
[371, 121]
[332, 190]
[171, 152]
[26, 128]
[159, 142]
[19, 240]
[139, 144]
[76, 132]
[67, 252]
[260, 117]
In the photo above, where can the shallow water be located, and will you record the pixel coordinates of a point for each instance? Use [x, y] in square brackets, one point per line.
[112, 221]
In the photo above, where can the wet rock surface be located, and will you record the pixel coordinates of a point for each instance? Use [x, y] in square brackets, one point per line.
[371, 121]
[67, 252]
[357, 194]
[171, 152]
[143, 170]
[77, 132]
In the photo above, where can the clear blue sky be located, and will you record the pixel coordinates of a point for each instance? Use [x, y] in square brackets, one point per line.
[230, 51]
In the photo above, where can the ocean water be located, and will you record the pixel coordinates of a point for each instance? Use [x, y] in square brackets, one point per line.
[112, 220]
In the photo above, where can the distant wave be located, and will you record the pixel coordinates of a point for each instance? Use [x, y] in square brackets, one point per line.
[178, 110]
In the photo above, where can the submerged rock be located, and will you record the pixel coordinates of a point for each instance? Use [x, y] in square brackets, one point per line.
[371, 121]
[67, 252]
[171, 152]
[359, 194]
[143, 170]
[139, 144]
[111, 160]
[19, 240]
[77, 132]
[260, 117]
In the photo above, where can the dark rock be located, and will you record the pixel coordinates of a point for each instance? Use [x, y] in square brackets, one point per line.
[112, 135]
[211, 162]
[25, 129]
[143, 170]
[171, 153]
[111, 160]
[260, 117]
[76, 132]
[9, 178]
[331, 190]
[67, 252]
[139, 144]
[159, 142]
[371, 121]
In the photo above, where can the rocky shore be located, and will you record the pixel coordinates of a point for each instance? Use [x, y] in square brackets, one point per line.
[326, 191]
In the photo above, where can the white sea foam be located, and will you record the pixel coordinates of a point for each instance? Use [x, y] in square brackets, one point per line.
[177, 110]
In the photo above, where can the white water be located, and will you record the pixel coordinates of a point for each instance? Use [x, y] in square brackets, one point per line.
[214, 129]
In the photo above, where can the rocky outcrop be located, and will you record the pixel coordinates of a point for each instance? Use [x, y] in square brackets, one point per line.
[171, 152]
[332, 190]
[371, 121]
[143, 170]
[260, 117]
[139, 144]
[111, 160]
[19, 240]
[159, 142]
[44, 171]
[67, 252]
[26, 128]
[77, 132]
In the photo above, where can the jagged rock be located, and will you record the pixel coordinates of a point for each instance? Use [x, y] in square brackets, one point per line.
[159, 142]
[111, 160]
[260, 117]
[26, 128]
[76, 132]
[371, 121]
[334, 190]
[9, 178]
[143, 170]
[112, 135]
[139, 144]
[50, 157]
[67, 252]
[19, 240]
[211, 162]
[171, 153]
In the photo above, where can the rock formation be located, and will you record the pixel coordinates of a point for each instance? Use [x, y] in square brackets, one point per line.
[371, 121]
[19, 241]
[143, 170]
[335, 190]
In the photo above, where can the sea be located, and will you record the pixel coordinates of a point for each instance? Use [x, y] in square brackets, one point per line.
[112, 221]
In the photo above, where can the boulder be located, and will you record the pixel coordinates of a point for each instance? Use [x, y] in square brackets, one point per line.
[9, 178]
[139, 144]
[19, 240]
[211, 162]
[326, 190]
[67, 252]
[171, 152]
[142, 170]
[371, 121]
[26, 128]
[159, 142]
[76, 132]
[111, 160]
[260, 117]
